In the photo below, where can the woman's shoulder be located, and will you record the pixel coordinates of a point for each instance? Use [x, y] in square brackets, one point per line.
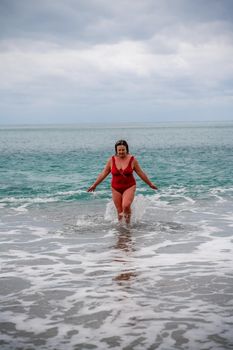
[133, 157]
[134, 161]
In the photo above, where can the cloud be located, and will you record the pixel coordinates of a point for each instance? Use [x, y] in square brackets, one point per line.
[96, 52]
[101, 21]
[164, 56]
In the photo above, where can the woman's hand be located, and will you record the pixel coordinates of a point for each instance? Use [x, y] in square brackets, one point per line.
[92, 188]
[153, 186]
[101, 176]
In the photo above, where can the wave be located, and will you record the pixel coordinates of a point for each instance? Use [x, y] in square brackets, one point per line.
[55, 197]
[165, 196]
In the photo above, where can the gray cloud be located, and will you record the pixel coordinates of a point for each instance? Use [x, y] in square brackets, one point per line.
[91, 55]
[102, 20]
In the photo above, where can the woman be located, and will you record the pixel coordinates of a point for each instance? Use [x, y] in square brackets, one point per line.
[123, 182]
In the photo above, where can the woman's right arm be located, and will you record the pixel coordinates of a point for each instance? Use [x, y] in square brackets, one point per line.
[101, 176]
[143, 175]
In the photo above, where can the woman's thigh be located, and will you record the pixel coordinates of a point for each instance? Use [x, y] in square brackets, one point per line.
[128, 196]
[117, 199]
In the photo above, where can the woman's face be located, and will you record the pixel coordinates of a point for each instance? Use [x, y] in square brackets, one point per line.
[121, 151]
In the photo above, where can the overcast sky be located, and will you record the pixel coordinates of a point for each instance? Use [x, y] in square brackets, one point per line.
[68, 61]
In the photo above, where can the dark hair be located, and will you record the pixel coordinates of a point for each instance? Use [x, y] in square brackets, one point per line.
[122, 143]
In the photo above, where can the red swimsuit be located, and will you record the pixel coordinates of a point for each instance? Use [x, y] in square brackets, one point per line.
[122, 179]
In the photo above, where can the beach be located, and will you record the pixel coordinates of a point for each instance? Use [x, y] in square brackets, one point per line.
[72, 277]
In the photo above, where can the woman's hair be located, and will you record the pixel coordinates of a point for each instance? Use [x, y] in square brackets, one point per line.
[122, 143]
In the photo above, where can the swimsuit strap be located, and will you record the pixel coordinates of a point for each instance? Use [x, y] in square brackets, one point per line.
[131, 160]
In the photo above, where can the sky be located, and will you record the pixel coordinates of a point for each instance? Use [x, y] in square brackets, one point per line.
[84, 61]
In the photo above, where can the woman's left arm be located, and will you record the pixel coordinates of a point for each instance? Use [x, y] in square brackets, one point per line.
[143, 175]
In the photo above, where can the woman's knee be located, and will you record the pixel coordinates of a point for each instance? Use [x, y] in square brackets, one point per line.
[126, 206]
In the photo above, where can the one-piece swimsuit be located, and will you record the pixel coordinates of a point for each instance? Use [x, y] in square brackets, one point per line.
[122, 179]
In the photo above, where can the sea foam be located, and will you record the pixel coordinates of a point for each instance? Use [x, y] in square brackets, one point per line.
[139, 206]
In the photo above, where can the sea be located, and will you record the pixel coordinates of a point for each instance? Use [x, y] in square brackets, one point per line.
[72, 277]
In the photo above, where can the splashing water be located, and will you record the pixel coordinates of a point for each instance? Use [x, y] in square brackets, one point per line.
[139, 206]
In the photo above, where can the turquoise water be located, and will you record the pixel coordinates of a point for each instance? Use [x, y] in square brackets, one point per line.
[73, 278]
[58, 164]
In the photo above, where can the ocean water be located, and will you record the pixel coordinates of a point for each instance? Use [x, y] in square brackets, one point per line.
[73, 278]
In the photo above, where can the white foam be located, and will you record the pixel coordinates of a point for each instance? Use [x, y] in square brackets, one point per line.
[188, 199]
[139, 206]
[69, 193]
[36, 325]
[12, 232]
[84, 221]
[130, 307]
[110, 212]
[228, 217]
[28, 200]
[222, 190]
[22, 208]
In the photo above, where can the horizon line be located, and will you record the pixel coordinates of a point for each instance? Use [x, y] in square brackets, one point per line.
[102, 123]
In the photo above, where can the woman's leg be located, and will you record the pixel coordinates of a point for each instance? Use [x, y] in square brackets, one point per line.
[127, 199]
[117, 199]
